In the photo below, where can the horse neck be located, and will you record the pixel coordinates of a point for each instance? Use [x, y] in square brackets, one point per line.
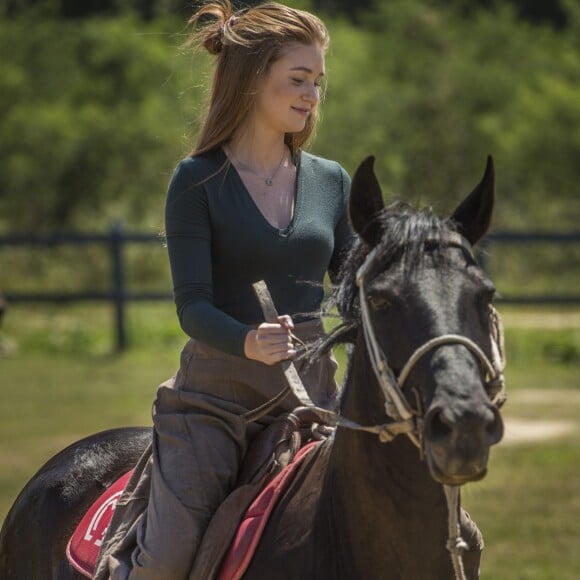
[382, 496]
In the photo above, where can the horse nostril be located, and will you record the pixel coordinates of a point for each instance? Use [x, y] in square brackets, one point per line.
[494, 430]
[438, 426]
[485, 423]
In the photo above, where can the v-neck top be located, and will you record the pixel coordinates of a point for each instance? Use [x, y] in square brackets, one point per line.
[220, 243]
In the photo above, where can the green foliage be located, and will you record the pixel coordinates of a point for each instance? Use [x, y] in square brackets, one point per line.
[91, 124]
[431, 93]
[526, 269]
[542, 346]
[87, 330]
[94, 112]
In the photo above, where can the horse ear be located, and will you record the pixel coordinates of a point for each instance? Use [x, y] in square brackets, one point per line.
[366, 201]
[473, 215]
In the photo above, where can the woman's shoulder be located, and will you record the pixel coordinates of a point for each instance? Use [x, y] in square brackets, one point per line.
[322, 165]
[320, 162]
[191, 178]
[202, 166]
[324, 169]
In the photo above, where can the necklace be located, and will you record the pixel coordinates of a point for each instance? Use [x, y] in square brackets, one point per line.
[269, 181]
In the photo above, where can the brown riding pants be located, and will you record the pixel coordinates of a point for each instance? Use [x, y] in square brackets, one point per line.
[199, 441]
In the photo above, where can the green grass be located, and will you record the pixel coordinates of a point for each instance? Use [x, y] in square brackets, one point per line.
[87, 329]
[59, 383]
[528, 508]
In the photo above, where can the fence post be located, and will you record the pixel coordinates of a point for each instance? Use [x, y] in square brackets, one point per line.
[119, 296]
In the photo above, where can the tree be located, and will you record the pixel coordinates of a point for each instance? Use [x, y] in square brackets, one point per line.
[91, 121]
[92, 112]
[431, 93]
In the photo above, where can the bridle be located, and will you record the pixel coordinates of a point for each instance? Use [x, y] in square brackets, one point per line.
[404, 419]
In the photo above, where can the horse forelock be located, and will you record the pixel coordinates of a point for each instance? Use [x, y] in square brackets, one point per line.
[405, 234]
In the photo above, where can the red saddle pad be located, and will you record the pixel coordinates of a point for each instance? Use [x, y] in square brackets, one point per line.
[83, 547]
[252, 526]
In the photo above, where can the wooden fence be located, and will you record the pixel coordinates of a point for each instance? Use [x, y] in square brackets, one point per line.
[116, 239]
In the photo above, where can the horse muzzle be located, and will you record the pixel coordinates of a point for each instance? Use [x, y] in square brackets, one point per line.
[457, 441]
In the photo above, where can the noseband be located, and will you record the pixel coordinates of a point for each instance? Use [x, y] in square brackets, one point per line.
[404, 418]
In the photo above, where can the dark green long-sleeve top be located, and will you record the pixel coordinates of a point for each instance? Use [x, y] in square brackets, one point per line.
[219, 244]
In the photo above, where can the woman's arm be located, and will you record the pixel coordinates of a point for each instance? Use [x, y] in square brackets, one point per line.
[188, 234]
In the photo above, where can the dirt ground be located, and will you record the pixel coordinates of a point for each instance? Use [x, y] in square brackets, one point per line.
[519, 430]
[527, 431]
[538, 318]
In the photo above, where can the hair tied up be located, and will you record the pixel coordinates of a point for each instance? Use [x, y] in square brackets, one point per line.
[211, 26]
[245, 43]
[214, 41]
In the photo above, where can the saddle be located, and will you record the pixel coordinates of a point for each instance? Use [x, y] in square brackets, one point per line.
[234, 532]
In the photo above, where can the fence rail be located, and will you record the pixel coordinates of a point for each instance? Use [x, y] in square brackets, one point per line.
[117, 238]
[509, 238]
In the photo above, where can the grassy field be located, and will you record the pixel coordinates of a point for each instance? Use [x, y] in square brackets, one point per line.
[59, 383]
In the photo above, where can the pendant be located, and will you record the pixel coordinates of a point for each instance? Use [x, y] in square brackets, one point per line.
[268, 181]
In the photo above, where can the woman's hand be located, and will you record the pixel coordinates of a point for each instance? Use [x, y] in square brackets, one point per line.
[271, 343]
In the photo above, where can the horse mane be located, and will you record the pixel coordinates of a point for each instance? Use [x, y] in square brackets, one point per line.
[405, 234]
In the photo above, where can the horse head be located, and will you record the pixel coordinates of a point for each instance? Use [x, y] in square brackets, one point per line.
[430, 329]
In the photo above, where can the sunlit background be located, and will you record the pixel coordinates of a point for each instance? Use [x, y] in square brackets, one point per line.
[98, 102]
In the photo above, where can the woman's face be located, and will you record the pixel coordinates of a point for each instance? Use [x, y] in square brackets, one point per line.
[290, 90]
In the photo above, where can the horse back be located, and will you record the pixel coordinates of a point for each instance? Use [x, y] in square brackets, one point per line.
[38, 526]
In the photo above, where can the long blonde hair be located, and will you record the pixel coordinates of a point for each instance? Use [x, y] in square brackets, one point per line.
[246, 43]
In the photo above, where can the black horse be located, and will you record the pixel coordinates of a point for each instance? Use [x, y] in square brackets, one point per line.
[417, 308]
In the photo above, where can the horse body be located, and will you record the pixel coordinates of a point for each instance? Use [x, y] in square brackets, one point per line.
[358, 507]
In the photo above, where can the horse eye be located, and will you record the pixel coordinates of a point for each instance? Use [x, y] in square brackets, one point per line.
[378, 301]
[490, 295]
[487, 292]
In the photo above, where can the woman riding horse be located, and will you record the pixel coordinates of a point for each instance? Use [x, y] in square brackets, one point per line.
[365, 504]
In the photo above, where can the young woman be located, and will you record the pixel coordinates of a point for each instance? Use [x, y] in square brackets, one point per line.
[247, 204]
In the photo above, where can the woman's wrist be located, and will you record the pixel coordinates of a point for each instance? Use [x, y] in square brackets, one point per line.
[250, 345]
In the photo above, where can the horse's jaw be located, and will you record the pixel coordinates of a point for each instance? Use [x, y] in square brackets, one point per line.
[453, 468]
